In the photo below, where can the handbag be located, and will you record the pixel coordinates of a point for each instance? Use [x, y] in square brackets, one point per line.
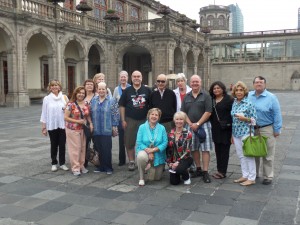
[223, 123]
[93, 156]
[201, 134]
[255, 146]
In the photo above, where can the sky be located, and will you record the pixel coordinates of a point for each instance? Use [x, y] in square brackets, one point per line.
[258, 14]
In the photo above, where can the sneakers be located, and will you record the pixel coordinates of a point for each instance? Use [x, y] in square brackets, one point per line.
[131, 166]
[141, 183]
[54, 168]
[109, 172]
[63, 167]
[84, 170]
[187, 182]
[206, 177]
[97, 170]
[76, 173]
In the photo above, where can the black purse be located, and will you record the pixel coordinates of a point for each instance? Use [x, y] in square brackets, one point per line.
[225, 125]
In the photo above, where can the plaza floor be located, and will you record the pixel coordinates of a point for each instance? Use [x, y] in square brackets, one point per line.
[31, 194]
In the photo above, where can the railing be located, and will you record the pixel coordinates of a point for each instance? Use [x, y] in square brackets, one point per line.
[6, 4]
[37, 8]
[95, 24]
[71, 17]
[141, 26]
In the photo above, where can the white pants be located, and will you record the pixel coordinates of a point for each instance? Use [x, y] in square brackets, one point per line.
[247, 163]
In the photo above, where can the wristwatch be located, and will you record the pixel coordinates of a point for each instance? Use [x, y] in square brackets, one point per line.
[198, 124]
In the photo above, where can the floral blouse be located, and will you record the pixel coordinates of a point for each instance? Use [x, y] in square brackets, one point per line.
[176, 149]
[75, 114]
[245, 107]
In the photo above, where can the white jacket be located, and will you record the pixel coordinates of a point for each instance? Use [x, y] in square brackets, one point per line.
[177, 93]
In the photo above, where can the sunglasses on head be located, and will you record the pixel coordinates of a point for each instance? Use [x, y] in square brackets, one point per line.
[161, 81]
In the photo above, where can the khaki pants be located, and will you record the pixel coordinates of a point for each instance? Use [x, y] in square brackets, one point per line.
[268, 161]
[76, 143]
[154, 173]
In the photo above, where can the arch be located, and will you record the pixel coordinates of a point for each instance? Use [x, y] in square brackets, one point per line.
[46, 35]
[178, 60]
[96, 59]
[82, 50]
[8, 36]
[221, 19]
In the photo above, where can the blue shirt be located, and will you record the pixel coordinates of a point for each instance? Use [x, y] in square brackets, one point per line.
[267, 109]
[104, 115]
[242, 128]
[158, 135]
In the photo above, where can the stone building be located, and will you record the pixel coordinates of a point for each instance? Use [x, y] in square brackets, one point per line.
[40, 41]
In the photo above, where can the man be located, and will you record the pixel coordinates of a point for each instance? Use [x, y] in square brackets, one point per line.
[269, 122]
[164, 99]
[134, 105]
[197, 104]
[123, 80]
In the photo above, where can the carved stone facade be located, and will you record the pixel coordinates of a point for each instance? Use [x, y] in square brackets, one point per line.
[40, 42]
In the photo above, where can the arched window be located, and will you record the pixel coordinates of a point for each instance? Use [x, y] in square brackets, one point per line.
[120, 10]
[221, 20]
[210, 20]
[134, 13]
[100, 8]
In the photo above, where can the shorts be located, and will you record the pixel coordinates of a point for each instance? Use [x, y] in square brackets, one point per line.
[130, 132]
[207, 145]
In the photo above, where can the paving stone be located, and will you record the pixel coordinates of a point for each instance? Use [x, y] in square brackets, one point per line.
[58, 219]
[163, 221]
[86, 190]
[147, 209]
[173, 213]
[205, 218]
[132, 219]
[277, 217]
[32, 215]
[8, 211]
[109, 194]
[229, 220]
[214, 208]
[53, 206]
[220, 200]
[30, 202]
[200, 190]
[78, 210]
[254, 197]
[49, 194]
[230, 194]
[103, 215]
[8, 221]
[121, 206]
[191, 223]
[86, 221]
[123, 188]
[9, 198]
[189, 201]
[9, 179]
[246, 209]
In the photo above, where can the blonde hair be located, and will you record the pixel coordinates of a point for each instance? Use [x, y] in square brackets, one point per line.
[152, 110]
[97, 76]
[242, 85]
[52, 83]
[180, 114]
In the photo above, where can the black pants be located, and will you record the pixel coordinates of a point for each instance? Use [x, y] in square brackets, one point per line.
[122, 152]
[103, 146]
[58, 141]
[181, 170]
[222, 156]
[88, 136]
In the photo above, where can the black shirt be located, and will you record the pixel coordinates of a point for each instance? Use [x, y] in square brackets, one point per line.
[136, 102]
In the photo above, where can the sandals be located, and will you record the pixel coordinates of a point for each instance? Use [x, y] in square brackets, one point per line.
[219, 175]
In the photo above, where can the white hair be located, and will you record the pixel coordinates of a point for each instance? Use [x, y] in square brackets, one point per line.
[181, 76]
[123, 72]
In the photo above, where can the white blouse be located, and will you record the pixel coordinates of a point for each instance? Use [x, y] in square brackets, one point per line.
[53, 111]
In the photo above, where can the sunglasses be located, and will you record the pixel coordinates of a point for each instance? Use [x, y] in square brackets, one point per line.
[161, 81]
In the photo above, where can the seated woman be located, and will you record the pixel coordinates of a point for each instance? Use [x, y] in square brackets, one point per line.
[151, 138]
[178, 151]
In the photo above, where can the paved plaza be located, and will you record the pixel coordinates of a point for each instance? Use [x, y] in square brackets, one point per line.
[31, 194]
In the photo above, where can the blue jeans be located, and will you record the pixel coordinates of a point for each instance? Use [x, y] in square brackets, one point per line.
[103, 145]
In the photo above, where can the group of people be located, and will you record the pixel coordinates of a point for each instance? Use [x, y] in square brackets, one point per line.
[161, 126]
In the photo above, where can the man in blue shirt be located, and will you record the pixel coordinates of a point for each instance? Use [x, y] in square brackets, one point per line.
[269, 121]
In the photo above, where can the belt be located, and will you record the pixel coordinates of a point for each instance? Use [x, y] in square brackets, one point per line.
[257, 127]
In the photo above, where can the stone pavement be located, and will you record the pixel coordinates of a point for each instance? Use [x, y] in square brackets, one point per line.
[31, 194]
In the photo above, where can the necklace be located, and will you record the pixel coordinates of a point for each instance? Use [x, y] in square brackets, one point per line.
[150, 137]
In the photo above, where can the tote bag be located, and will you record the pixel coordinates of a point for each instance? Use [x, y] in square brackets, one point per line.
[255, 146]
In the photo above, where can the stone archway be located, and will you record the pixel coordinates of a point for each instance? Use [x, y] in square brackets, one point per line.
[138, 58]
[39, 65]
[96, 59]
[178, 61]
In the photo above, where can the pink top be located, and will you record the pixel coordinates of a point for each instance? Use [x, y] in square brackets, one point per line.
[75, 114]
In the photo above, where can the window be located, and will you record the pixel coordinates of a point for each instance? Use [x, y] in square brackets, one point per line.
[120, 10]
[134, 14]
[221, 20]
[100, 8]
[210, 20]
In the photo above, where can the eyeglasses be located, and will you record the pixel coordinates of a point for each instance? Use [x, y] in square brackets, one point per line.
[161, 81]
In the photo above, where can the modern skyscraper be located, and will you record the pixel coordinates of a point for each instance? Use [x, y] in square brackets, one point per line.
[236, 19]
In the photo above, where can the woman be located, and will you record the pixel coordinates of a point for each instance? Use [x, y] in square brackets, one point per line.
[90, 89]
[181, 90]
[123, 78]
[100, 77]
[221, 135]
[243, 114]
[77, 113]
[52, 119]
[151, 145]
[105, 117]
[179, 144]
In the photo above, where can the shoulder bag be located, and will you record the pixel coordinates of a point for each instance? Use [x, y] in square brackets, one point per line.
[223, 123]
[255, 146]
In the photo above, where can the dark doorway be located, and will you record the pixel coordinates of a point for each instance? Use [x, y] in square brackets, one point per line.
[5, 79]
[94, 62]
[71, 80]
